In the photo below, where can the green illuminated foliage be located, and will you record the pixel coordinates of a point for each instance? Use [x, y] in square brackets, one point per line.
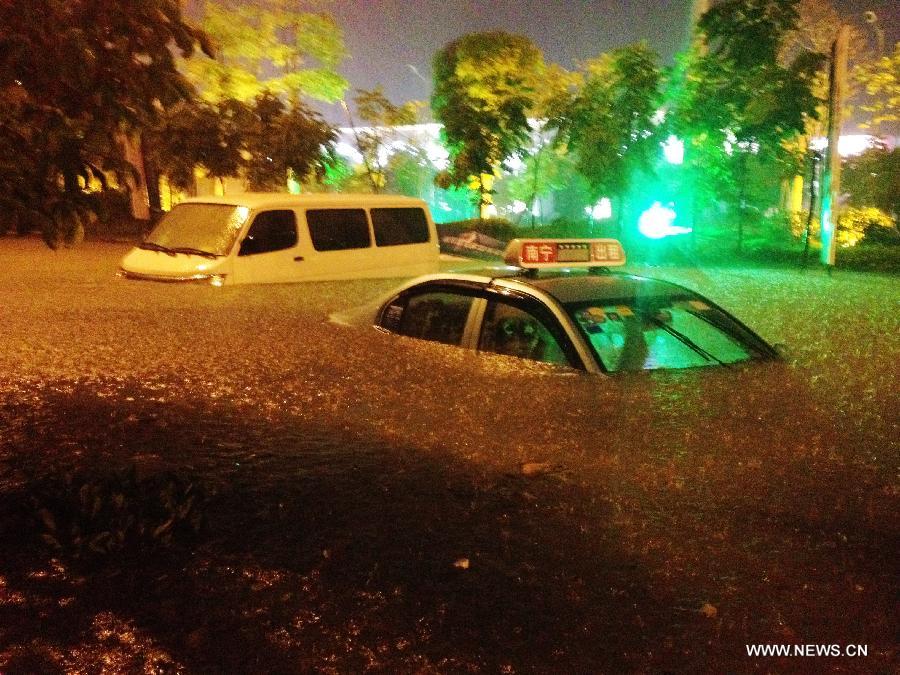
[285, 47]
[736, 105]
[75, 78]
[485, 87]
[609, 123]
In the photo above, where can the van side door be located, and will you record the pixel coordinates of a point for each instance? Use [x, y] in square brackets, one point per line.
[340, 243]
[269, 251]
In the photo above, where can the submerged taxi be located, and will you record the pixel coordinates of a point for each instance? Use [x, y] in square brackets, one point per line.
[560, 302]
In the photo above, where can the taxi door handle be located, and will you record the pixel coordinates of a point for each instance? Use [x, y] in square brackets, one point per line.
[298, 258]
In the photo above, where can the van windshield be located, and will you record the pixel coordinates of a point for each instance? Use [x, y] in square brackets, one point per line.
[207, 228]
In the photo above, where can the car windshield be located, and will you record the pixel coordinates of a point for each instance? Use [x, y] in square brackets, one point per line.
[198, 228]
[663, 333]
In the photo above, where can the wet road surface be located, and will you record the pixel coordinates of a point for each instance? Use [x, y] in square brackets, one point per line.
[380, 504]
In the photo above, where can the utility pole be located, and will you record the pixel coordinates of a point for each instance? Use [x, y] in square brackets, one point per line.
[831, 183]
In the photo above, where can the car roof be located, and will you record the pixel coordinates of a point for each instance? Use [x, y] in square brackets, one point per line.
[605, 286]
[576, 285]
[256, 200]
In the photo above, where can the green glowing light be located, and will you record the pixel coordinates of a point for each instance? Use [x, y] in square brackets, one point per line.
[673, 150]
[656, 222]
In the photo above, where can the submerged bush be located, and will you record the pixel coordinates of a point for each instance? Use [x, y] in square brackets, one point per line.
[84, 515]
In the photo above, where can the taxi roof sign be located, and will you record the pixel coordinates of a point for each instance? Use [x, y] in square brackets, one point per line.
[557, 253]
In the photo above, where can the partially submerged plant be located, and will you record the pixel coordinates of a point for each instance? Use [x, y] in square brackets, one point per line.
[88, 514]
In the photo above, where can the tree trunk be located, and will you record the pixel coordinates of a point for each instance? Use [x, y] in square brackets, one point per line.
[151, 176]
[535, 183]
[742, 202]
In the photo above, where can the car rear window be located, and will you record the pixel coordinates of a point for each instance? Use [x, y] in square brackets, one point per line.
[338, 229]
[398, 226]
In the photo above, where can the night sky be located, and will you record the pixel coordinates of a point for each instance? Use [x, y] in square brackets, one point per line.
[386, 37]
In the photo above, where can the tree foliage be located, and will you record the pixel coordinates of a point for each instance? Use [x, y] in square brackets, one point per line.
[732, 98]
[484, 89]
[75, 76]
[382, 117]
[880, 80]
[872, 179]
[609, 123]
[287, 47]
[262, 141]
[284, 138]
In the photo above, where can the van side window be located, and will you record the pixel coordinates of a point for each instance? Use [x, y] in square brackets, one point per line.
[440, 317]
[338, 229]
[270, 231]
[399, 226]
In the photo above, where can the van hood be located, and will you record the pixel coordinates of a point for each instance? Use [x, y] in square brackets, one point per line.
[140, 263]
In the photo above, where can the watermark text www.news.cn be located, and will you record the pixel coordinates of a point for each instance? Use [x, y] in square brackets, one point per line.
[808, 650]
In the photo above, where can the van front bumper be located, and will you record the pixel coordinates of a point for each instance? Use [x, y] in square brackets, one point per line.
[206, 279]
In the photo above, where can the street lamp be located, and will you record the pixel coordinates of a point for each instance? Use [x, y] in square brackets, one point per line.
[872, 19]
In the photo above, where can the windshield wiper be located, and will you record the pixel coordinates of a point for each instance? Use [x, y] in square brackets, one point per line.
[193, 251]
[151, 246]
[684, 339]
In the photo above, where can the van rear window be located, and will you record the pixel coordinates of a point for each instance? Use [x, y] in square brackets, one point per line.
[399, 226]
[338, 229]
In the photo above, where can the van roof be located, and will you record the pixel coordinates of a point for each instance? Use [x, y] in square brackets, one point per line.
[255, 200]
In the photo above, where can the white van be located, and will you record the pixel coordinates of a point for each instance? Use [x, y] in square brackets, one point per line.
[275, 238]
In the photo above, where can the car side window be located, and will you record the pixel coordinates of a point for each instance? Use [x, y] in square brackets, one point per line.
[436, 316]
[512, 331]
[338, 229]
[270, 231]
[394, 227]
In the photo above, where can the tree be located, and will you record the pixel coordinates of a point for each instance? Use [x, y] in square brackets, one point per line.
[280, 46]
[198, 134]
[381, 117]
[550, 103]
[609, 124]
[262, 142]
[484, 89]
[881, 82]
[75, 76]
[284, 139]
[871, 179]
[731, 99]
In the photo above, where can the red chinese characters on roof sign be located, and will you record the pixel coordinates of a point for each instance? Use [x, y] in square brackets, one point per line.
[539, 252]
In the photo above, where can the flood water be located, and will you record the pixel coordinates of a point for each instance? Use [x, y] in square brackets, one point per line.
[382, 504]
